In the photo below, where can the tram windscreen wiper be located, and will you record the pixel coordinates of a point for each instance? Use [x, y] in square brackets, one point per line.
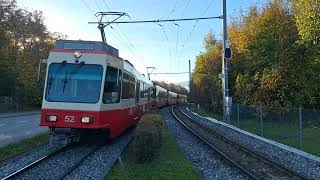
[65, 82]
[51, 78]
[75, 71]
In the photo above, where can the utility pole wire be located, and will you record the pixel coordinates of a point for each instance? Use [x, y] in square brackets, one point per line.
[87, 6]
[160, 20]
[181, 73]
[131, 47]
[171, 73]
[95, 2]
[194, 26]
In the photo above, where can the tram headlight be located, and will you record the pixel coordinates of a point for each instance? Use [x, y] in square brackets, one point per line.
[86, 120]
[77, 54]
[51, 118]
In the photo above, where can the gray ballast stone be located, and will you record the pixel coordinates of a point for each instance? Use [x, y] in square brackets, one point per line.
[100, 163]
[304, 163]
[203, 158]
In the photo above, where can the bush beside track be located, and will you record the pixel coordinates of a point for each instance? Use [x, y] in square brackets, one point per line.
[165, 159]
[147, 139]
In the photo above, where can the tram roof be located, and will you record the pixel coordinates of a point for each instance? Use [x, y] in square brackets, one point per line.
[86, 45]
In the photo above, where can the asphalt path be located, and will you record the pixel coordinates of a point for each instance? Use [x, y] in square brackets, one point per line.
[15, 127]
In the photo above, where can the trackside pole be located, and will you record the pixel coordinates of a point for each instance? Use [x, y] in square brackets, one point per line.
[124, 173]
[238, 115]
[261, 122]
[226, 55]
[300, 129]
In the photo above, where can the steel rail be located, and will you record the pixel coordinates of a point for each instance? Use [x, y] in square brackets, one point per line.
[248, 173]
[21, 154]
[64, 174]
[34, 163]
[255, 154]
[75, 165]
[265, 160]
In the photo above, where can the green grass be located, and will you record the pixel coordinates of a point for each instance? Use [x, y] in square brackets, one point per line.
[171, 164]
[13, 149]
[285, 133]
[205, 113]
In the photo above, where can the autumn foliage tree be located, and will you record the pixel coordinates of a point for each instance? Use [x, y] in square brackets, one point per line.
[275, 58]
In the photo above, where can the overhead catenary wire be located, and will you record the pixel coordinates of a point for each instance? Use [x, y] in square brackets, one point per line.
[180, 73]
[88, 7]
[118, 35]
[95, 2]
[194, 26]
[160, 20]
[171, 73]
[166, 37]
[185, 8]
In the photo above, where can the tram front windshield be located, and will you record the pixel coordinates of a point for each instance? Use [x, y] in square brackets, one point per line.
[77, 83]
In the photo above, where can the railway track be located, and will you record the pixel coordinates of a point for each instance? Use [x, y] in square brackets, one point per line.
[250, 163]
[53, 160]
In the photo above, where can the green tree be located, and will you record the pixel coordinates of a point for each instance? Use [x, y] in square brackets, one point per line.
[24, 40]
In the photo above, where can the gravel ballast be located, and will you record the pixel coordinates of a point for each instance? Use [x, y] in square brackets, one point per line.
[17, 163]
[99, 164]
[204, 159]
[95, 166]
[305, 164]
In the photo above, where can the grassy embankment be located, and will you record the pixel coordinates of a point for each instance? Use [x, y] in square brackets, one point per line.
[13, 149]
[169, 164]
[286, 133]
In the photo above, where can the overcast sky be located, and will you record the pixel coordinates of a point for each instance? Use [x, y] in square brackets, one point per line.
[167, 47]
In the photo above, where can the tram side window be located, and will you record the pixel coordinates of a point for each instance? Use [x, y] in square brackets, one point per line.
[142, 85]
[137, 90]
[128, 86]
[146, 90]
[112, 86]
[154, 92]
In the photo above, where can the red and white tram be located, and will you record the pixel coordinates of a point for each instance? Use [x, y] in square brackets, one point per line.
[160, 96]
[88, 86]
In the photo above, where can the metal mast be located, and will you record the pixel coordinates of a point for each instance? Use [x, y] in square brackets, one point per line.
[225, 85]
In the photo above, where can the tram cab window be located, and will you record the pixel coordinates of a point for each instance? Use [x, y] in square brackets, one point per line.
[112, 85]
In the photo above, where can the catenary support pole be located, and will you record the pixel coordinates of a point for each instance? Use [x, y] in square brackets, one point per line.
[189, 77]
[238, 114]
[226, 108]
[300, 129]
[261, 122]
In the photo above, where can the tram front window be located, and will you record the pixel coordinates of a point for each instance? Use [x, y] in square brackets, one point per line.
[78, 83]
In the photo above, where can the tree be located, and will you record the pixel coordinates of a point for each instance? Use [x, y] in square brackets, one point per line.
[206, 84]
[270, 65]
[24, 40]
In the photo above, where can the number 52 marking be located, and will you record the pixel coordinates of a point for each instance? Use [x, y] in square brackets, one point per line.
[69, 119]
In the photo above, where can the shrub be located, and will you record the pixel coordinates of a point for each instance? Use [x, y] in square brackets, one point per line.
[153, 118]
[147, 139]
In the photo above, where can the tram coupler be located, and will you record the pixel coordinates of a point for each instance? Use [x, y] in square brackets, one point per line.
[63, 136]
